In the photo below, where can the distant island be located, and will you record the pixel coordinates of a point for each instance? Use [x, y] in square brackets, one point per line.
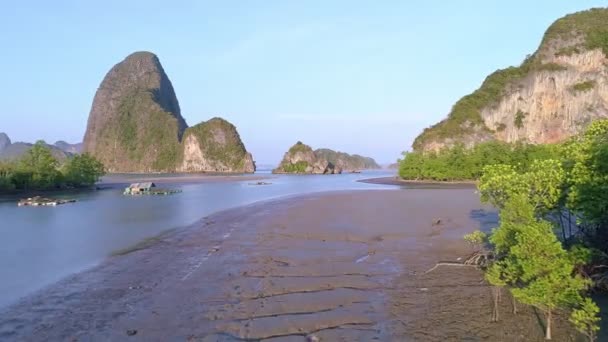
[12, 151]
[301, 158]
[135, 125]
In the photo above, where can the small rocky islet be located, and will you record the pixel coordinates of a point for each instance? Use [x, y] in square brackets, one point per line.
[302, 159]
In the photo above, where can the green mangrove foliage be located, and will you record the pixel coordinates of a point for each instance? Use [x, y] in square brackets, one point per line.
[459, 163]
[39, 170]
[553, 229]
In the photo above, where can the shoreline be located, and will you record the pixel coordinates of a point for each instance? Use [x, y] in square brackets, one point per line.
[288, 268]
[398, 181]
[117, 179]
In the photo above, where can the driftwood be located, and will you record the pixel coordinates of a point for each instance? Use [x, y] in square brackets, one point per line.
[477, 259]
[449, 263]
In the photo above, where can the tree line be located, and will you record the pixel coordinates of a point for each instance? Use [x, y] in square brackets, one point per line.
[459, 163]
[38, 169]
[552, 240]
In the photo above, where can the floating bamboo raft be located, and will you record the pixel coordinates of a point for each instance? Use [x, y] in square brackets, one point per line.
[260, 183]
[43, 201]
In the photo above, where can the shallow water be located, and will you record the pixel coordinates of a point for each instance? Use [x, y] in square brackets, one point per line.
[40, 245]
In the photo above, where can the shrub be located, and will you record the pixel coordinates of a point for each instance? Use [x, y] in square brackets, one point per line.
[582, 86]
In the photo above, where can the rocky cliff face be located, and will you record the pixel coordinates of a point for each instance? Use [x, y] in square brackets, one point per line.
[302, 159]
[345, 161]
[553, 95]
[5, 141]
[215, 146]
[135, 124]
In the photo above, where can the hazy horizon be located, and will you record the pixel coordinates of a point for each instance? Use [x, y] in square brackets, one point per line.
[357, 77]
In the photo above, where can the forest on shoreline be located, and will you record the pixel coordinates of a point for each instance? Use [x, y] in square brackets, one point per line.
[38, 169]
[551, 245]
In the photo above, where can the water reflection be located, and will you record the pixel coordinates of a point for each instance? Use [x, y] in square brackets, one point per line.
[40, 245]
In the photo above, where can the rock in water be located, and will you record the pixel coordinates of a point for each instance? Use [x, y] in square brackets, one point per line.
[215, 146]
[5, 141]
[554, 94]
[135, 124]
[302, 159]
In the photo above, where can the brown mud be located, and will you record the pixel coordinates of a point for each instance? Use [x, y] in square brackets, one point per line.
[347, 266]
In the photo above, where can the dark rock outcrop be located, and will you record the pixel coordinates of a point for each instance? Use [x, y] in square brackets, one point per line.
[135, 124]
[554, 94]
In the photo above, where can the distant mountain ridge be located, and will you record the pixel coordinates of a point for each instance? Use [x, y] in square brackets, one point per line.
[10, 151]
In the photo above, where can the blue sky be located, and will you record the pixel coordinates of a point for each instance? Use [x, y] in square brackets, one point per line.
[358, 76]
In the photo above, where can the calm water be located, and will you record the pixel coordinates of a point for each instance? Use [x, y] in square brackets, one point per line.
[40, 245]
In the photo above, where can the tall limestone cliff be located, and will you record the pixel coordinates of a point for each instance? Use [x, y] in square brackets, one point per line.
[135, 122]
[302, 159]
[345, 161]
[214, 146]
[135, 125]
[554, 94]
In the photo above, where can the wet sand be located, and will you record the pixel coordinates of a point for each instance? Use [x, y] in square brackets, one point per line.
[346, 266]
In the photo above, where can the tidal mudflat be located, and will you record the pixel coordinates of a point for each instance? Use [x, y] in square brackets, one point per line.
[341, 266]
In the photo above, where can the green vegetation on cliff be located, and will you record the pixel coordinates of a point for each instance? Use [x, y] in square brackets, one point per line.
[38, 169]
[465, 116]
[135, 125]
[298, 167]
[347, 161]
[583, 86]
[591, 25]
[299, 147]
[146, 132]
[300, 158]
[219, 142]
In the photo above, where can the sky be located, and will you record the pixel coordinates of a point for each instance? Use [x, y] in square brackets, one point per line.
[356, 76]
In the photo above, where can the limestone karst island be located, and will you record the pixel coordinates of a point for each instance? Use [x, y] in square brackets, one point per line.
[319, 171]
